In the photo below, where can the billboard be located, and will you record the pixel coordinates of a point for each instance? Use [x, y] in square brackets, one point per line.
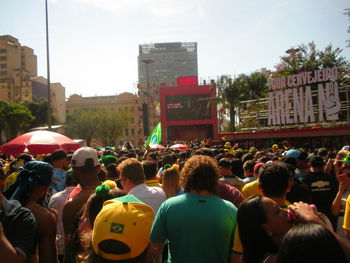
[188, 107]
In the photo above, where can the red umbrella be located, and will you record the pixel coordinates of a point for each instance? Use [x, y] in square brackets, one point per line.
[179, 146]
[157, 146]
[39, 142]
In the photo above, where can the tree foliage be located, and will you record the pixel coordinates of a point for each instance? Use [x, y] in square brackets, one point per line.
[232, 91]
[99, 124]
[308, 58]
[15, 118]
[347, 13]
[39, 108]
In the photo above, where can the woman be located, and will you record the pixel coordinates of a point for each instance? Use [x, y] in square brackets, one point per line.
[171, 181]
[262, 225]
[310, 243]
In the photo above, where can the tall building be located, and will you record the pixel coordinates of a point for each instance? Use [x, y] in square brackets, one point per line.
[19, 81]
[160, 65]
[124, 102]
[13, 56]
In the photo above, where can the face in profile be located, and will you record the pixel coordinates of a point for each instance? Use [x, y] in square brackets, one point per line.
[277, 220]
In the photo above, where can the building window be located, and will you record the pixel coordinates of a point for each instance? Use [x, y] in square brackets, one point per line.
[132, 132]
[3, 65]
[2, 50]
[126, 132]
[2, 58]
[132, 109]
[3, 73]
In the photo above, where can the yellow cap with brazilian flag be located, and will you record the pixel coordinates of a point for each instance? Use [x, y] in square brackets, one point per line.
[122, 228]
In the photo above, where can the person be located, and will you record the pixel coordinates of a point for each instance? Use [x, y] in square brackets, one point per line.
[85, 167]
[252, 188]
[171, 181]
[312, 242]
[60, 165]
[20, 161]
[121, 231]
[338, 203]
[198, 224]
[57, 202]
[227, 174]
[323, 187]
[150, 169]
[85, 220]
[132, 179]
[30, 189]
[275, 182]
[17, 232]
[248, 168]
[263, 223]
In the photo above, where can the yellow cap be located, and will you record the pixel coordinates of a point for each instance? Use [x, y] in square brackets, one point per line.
[110, 183]
[227, 145]
[126, 220]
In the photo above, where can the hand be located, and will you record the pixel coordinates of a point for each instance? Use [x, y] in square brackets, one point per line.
[305, 214]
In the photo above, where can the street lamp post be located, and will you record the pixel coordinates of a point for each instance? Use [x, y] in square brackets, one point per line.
[147, 62]
[48, 69]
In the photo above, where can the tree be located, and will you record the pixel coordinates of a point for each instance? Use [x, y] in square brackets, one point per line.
[39, 108]
[230, 93]
[347, 13]
[112, 126]
[15, 118]
[308, 58]
[83, 124]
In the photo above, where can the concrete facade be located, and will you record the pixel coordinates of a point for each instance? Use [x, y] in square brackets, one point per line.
[124, 102]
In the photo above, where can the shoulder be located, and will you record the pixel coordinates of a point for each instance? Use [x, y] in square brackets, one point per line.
[15, 213]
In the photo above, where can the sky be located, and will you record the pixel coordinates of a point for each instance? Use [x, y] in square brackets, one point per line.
[94, 43]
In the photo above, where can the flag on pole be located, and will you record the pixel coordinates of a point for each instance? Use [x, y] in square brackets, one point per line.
[155, 136]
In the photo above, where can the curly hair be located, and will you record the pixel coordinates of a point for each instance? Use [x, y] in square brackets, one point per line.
[200, 173]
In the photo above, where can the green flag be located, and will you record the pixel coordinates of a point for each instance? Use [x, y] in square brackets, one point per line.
[155, 136]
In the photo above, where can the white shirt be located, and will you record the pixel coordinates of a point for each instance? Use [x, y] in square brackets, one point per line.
[152, 196]
[57, 201]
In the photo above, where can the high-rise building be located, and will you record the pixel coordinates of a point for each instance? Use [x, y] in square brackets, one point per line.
[19, 81]
[13, 56]
[165, 62]
[160, 65]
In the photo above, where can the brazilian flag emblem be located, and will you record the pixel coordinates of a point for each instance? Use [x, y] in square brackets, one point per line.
[117, 228]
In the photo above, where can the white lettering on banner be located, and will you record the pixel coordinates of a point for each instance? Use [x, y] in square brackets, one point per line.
[292, 106]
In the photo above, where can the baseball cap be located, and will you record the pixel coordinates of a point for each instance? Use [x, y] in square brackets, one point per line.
[257, 167]
[275, 146]
[58, 155]
[83, 154]
[108, 159]
[124, 220]
[346, 148]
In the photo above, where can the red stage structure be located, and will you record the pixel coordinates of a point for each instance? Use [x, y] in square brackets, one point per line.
[187, 112]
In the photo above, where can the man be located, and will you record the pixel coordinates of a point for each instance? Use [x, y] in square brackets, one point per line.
[198, 224]
[57, 202]
[30, 189]
[17, 232]
[324, 187]
[132, 179]
[227, 176]
[85, 169]
[248, 168]
[252, 188]
[59, 163]
[150, 169]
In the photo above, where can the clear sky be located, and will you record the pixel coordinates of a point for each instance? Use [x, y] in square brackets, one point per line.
[94, 43]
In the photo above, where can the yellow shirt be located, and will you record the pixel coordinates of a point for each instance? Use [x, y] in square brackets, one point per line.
[153, 183]
[251, 189]
[346, 224]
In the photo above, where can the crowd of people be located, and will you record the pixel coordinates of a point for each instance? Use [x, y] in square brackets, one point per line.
[209, 203]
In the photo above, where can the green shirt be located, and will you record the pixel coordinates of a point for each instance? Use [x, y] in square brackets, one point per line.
[199, 228]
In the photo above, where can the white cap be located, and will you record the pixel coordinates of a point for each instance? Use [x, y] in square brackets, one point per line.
[82, 154]
[346, 148]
